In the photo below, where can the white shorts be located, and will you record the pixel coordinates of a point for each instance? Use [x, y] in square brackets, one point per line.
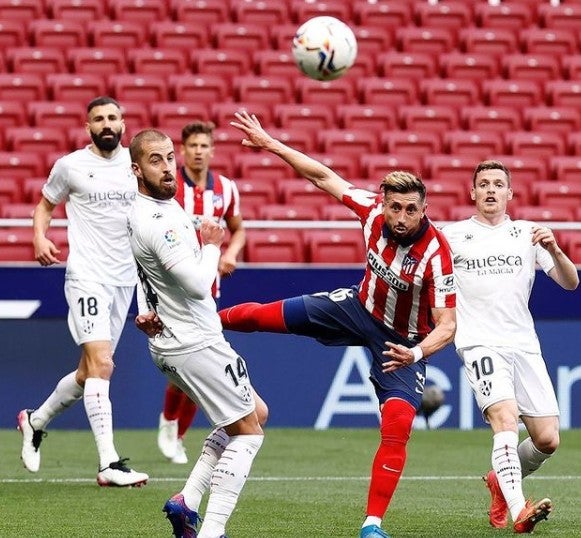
[496, 374]
[97, 311]
[215, 377]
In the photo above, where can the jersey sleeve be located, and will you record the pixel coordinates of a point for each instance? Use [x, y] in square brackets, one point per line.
[166, 239]
[360, 201]
[57, 187]
[441, 282]
[233, 209]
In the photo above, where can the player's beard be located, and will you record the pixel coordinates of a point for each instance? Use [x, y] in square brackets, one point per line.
[161, 190]
[106, 144]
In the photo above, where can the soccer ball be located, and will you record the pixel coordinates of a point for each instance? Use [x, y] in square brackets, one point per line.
[324, 48]
[432, 400]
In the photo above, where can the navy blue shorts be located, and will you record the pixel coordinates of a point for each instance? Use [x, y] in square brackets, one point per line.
[338, 318]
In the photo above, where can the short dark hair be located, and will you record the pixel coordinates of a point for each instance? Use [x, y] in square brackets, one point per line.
[490, 165]
[198, 127]
[403, 182]
[147, 135]
[102, 100]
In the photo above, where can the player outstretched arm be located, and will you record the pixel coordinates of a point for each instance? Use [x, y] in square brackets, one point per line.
[317, 173]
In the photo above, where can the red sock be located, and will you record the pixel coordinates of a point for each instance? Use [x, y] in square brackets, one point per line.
[249, 317]
[397, 417]
[187, 412]
[171, 402]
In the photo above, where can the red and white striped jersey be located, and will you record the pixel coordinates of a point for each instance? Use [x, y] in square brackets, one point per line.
[403, 281]
[219, 201]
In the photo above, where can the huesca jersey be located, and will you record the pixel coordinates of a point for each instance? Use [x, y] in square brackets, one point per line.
[495, 270]
[99, 193]
[403, 280]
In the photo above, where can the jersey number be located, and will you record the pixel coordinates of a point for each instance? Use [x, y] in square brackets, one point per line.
[239, 373]
[88, 306]
[483, 367]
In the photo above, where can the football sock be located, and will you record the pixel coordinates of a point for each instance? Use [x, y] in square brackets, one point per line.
[506, 464]
[199, 479]
[171, 402]
[65, 394]
[100, 415]
[531, 458]
[397, 417]
[228, 479]
[186, 413]
[371, 520]
[249, 317]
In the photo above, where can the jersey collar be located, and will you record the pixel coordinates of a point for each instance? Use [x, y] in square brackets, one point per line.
[190, 182]
[407, 241]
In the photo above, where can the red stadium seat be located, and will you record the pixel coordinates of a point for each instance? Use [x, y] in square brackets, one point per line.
[16, 244]
[274, 246]
[524, 169]
[198, 88]
[312, 117]
[228, 139]
[223, 113]
[16, 210]
[449, 92]
[557, 193]
[22, 87]
[495, 41]
[334, 92]
[474, 66]
[337, 212]
[552, 41]
[36, 60]
[247, 36]
[451, 167]
[139, 87]
[266, 12]
[433, 118]
[255, 193]
[225, 62]
[23, 10]
[543, 213]
[378, 165]
[178, 35]
[563, 93]
[447, 192]
[513, 16]
[392, 14]
[38, 140]
[539, 67]
[62, 33]
[514, 93]
[56, 113]
[12, 33]
[21, 164]
[288, 212]
[281, 36]
[140, 11]
[274, 62]
[347, 142]
[373, 118]
[565, 168]
[297, 138]
[31, 189]
[97, 61]
[571, 66]
[372, 39]
[573, 141]
[450, 14]
[345, 165]
[303, 10]
[85, 10]
[499, 119]
[571, 242]
[415, 65]
[556, 119]
[541, 143]
[123, 35]
[564, 15]
[73, 87]
[135, 115]
[410, 142]
[271, 89]
[253, 165]
[203, 12]
[388, 92]
[11, 191]
[157, 61]
[12, 113]
[422, 39]
[335, 246]
[476, 143]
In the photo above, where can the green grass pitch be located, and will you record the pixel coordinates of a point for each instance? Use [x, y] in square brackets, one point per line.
[304, 484]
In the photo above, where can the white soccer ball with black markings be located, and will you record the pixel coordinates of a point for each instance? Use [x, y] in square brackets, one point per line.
[324, 48]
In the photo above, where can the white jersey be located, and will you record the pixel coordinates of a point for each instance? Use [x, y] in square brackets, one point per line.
[495, 271]
[99, 193]
[162, 235]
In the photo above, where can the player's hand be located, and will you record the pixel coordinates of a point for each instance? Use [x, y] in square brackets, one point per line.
[211, 233]
[545, 237]
[256, 136]
[149, 323]
[227, 264]
[399, 356]
[45, 252]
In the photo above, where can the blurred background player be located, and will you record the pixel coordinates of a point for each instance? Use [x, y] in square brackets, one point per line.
[176, 272]
[99, 189]
[406, 301]
[202, 193]
[495, 262]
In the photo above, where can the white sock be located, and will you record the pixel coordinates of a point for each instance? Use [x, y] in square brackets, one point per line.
[506, 464]
[199, 479]
[65, 394]
[228, 479]
[371, 520]
[531, 458]
[99, 413]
